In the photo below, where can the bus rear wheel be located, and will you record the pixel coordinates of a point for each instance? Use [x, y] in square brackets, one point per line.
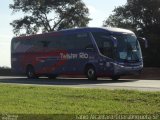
[91, 73]
[30, 72]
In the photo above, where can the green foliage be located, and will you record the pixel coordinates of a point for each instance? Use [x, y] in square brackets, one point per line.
[52, 100]
[142, 17]
[49, 15]
[137, 14]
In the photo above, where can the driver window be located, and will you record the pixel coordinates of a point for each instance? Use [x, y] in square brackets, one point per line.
[104, 43]
[107, 47]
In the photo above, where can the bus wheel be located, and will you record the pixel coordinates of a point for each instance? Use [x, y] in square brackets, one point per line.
[115, 78]
[30, 72]
[91, 73]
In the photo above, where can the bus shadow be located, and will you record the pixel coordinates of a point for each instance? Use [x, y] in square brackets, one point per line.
[61, 81]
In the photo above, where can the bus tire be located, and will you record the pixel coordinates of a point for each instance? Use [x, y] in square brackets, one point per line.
[115, 78]
[30, 72]
[90, 73]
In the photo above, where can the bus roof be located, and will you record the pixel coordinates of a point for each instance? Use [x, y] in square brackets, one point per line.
[98, 29]
[79, 30]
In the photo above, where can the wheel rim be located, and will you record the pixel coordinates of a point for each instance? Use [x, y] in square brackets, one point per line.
[91, 73]
[30, 72]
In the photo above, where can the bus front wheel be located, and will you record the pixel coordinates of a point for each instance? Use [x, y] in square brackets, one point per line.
[91, 73]
[30, 72]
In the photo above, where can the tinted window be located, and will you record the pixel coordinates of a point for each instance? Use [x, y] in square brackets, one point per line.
[83, 41]
[21, 45]
[78, 41]
[72, 41]
[15, 44]
[104, 43]
[56, 43]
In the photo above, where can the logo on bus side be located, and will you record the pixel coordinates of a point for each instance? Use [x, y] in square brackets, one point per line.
[69, 56]
[83, 55]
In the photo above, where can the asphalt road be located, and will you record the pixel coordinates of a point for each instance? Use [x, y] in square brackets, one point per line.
[133, 84]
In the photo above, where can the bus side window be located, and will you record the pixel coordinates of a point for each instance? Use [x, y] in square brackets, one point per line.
[45, 43]
[15, 45]
[83, 41]
[56, 43]
[108, 48]
[70, 41]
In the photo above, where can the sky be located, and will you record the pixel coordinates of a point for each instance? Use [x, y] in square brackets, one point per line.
[99, 11]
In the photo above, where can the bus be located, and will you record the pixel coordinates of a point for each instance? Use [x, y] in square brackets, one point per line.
[89, 52]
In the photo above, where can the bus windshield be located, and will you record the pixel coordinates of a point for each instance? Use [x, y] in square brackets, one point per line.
[128, 48]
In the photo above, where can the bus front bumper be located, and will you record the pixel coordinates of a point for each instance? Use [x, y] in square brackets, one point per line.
[127, 70]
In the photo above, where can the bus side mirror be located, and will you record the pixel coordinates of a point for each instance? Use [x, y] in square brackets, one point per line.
[143, 42]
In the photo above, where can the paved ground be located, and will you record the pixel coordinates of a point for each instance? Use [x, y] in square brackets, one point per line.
[135, 84]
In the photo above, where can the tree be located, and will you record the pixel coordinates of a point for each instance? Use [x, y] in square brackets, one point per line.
[48, 15]
[142, 17]
[137, 14]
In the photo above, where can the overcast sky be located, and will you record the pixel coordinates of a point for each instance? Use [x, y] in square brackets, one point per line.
[99, 11]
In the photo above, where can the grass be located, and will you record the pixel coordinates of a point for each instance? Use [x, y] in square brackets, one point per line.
[16, 99]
